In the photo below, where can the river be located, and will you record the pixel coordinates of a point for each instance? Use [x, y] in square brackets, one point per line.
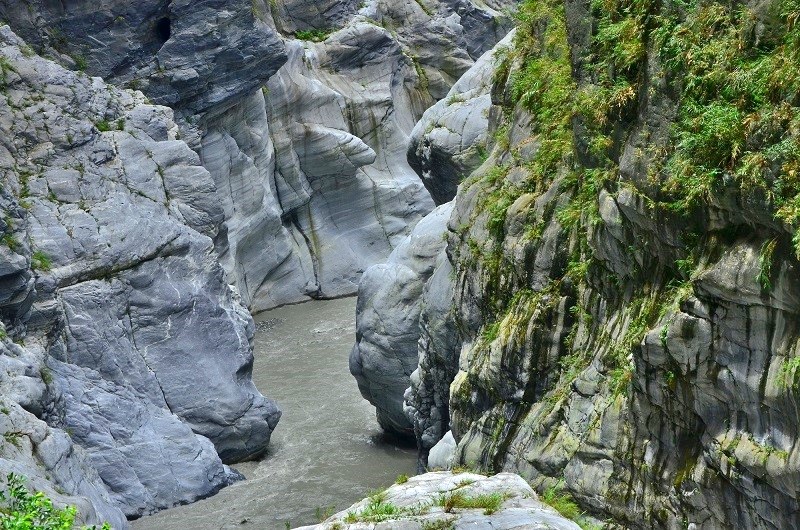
[327, 449]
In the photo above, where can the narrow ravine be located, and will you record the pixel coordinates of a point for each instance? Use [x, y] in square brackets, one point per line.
[327, 450]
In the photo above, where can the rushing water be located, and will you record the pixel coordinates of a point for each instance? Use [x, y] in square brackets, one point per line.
[327, 449]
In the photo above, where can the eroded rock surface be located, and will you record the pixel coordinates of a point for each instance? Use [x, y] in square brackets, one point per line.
[387, 320]
[452, 138]
[183, 53]
[608, 335]
[334, 193]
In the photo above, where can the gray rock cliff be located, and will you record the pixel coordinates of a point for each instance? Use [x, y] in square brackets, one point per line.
[117, 294]
[136, 236]
[387, 320]
[623, 281]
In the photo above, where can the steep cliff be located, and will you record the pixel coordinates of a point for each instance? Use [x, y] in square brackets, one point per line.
[125, 327]
[338, 192]
[624, 267]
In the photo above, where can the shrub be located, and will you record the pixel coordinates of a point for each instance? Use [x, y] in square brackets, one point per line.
[490, 502]
[41, 261]
[314, 35]
[24, 510]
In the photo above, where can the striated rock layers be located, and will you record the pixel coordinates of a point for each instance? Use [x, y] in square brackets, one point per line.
[403, 301]
[622, 284]
[387, 316]
[451, 500]
[316, 185]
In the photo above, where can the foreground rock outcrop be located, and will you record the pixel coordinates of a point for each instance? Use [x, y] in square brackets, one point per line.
[448, 500]
[623, 282]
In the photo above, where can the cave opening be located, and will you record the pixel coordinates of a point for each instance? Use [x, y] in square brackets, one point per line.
[164, 29]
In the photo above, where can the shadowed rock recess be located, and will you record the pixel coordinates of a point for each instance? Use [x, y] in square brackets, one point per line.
[614, 313]
[168, 166]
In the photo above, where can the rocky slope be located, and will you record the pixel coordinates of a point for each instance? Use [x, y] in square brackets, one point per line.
[451, 500]
[622, 269]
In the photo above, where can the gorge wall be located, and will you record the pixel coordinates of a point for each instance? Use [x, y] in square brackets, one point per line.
[613, 313]
[168, 165]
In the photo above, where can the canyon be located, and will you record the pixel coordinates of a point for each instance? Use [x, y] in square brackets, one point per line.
[571, 227]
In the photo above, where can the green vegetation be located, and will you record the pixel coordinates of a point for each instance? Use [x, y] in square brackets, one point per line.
[5, 68]
[41, 261]
[102, 126]
[489, 503]
[789, 375]
[739, 110]
[377, 510]
[80, 63]
[314, 35]
[561, 501]
[401, 479]
[765, 264]
[22, 510]
[10, 241]
[425, 8]
[439, 524]
[46, 375]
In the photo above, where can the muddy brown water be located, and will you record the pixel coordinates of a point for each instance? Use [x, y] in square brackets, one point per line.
[327, 450]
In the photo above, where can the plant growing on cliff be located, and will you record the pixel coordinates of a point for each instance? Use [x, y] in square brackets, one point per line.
[789, 371]
[561, 501]
[21, 509]
[765, 264]
[41, 261]
[314, 35]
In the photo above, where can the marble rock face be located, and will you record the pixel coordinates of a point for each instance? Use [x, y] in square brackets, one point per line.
[387, 320]
[313, 171]
[189, 54]
[452, 138]
[133, 342]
